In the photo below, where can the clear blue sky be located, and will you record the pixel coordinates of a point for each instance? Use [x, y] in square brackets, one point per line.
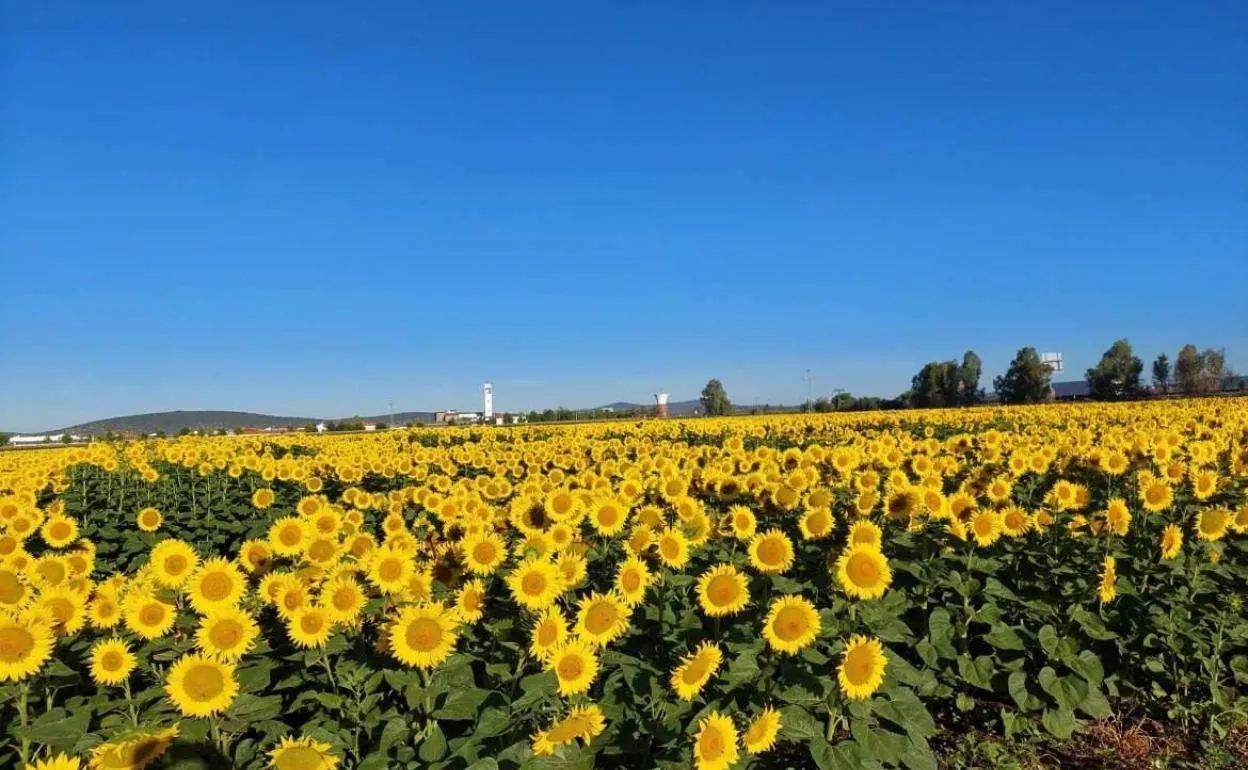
[315, 208]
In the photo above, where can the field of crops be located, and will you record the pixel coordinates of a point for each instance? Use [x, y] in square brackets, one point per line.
[802, 591]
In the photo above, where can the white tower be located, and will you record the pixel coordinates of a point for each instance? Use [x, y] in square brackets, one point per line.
[489, 401]
[660, 400]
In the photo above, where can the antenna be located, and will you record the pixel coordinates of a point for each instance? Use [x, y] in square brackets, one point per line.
[1053, 361]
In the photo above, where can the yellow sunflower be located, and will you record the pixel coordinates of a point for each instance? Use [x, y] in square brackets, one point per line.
[484, 553]
[201, 686]
[133, 751]
[25, 645]
[173, 562]
[986, 527]
[862, 668]
[15, 591]
[149, 519]
[216, 584]
[723, 590]
[470, 601]
[288, 535]
[59, 531]
[1171, 542]
[601, 618]
[771, 552]
[673, 548]
[864, 532]
[1212, 523]
[309, 626]
[423, 636]
[343, 599]
[302, 754]
[743, 522]
[550, 631]
[255, 555]
[1109, 578]
[582, 723]
[535, 584]
[715, 745]
[226, 633]
[575, 666]
[111, 661]
[864, 572]
[148, 616]
[1156, 495]
[262, 498]
[695, 670]
[390, 571]
[761, 735]
[632, 579]
[59, 762]
[609, 516]
[816, 523]
[792, 624]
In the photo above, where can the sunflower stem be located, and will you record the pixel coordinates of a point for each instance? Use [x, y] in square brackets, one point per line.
[23, 695]
[134, 713]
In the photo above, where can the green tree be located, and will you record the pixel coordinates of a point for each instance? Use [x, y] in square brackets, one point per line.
[184, 431]
[935, 385]
[1161, 373]
[968, 375]
[1198, 373]
[4, 439]
[1117, 376]
[715, 400]
[1026, 381]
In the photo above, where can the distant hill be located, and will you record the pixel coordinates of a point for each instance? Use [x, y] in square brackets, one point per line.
[674, 408]
[172, 422]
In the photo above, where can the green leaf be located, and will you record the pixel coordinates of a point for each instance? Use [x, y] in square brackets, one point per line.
[58, 729]
[375, 761]
[462, 704]
[940, 630]
[1048, 639]
[1095, 704]
[1088, 666]
[394, 731]
[484, 763]
[433, 747]
[1059, 722]
[1067, 691]
[1017, 685]
[976, 672]
[743, 669]
[904, 709]
[493, 721]
[877, 743]
[1004, 638]
[796, 723]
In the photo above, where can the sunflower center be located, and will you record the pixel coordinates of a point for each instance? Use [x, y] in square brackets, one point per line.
[608, 517]
[472, 600]
[547, 633]
[152, 614]
[390, 570]
[1155, 494]
[226, 634]
[11, 589]
[60, 530]
[112, 661]
[571, 667]
[695, 671]
[601, 618]
[61, 610]
[711, 744]
[290, 536]
[15, 644]
[203, 683]
[722, 590]
[52, 571]
[311, 624]
[216, 586]
[423, 634]
[298, 758]
[534, 583]
[484, 552]
[670, 548]
[631, 581]
[321, 550]
[858, 666]
[175, 565]
[863, 570]
[343, 599]
[791, 624]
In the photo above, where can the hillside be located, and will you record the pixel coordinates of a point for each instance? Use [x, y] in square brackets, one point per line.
[172, 422]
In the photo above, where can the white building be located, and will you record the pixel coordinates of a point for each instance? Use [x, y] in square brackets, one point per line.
[489, 402]
[54, 438]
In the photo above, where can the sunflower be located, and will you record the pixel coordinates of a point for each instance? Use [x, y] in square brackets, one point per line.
[147, 615]
[302, 754]
[1171, 542]
[723, 590]
[862, 668]
[484, 553]
[343, 599]
[149, 519]
[111, 661]
[49, 571]
[715, 745]
[288, 535]
[390, 570]
[792, 624]
[986, 527]
[294, 597]
[771, 553]
[550, 631]
[695, 670]
[1204, 484]
[255, 555]
[864, 532]
[573, 567]
[1156, 495]
[535, 584]
[863, 572]
[226, 633]
[25, 645]
[217, 583]
[59, 531]
[673, 548]
[1014, 521]
[262, 498]
[1212, 523]
[1109, 577]
[1240, 522]
[172, 562]
[133, 751]
[423, 636]
[470, 601]
[15, 591]
[601, 618]
[761, 735]
[901, 503]
[59, 762]
[608, 516]
[816, 523]
[582, 723]
[201, 686]
[322, 551]
[309, 626]
[575, 666]
[104, 612]
[632, 579]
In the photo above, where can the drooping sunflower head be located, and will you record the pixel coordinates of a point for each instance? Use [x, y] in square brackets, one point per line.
[761, 735]
[695, 670]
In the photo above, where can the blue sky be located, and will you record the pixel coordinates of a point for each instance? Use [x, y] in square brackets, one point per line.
[316, 208]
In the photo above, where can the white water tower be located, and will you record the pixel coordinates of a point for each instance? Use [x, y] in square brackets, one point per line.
[489, 401]
[660, 400]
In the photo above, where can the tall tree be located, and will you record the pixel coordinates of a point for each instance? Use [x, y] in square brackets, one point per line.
[1117, 376]
[1026, 381]
[1198, 373]
[1161, 373]
[935, 384]
[968, 378]
[715, 399]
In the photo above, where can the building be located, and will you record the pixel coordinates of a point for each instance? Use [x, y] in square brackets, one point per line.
[53, 438]
[489, 402]
[1074, 390]
[660, 401]
[451, 416]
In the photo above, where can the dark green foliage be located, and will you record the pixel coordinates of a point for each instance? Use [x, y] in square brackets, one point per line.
[1117, 376]
[1161, 373]
[715, 400]
[1026, 381]
[948, 383]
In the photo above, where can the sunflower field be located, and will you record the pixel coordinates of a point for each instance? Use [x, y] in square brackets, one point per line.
[800, 591]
